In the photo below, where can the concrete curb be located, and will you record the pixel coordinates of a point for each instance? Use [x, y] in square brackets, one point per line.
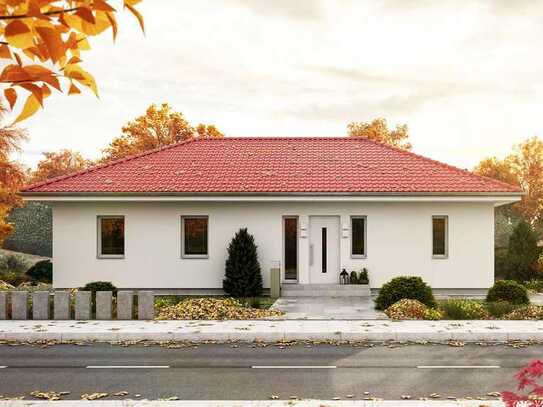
[272, 403]
[272, 331]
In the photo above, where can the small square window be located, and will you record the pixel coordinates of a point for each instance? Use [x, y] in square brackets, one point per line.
[358, 236]
[194, 236]
[440, 239]
[110, 236]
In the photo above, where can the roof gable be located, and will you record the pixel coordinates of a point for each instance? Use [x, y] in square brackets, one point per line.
[274, 165]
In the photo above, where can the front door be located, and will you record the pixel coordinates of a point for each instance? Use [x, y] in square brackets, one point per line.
[324, 249]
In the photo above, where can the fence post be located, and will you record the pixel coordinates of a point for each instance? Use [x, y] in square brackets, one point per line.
[146, 305]
[3, 305]
[40, 305]
[19, 305]
[61, 305]
[82, 305]
[125, 305]
[103, 304]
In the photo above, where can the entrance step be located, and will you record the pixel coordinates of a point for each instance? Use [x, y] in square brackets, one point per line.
[325, 290]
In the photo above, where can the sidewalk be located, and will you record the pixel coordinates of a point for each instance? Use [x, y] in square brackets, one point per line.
[274, 403]
[273, 330]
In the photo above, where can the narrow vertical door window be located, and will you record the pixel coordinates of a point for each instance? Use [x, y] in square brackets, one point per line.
[290, 230]
[439, 236]
[324, 259]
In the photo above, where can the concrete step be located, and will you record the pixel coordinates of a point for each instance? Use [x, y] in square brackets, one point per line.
[325, 290]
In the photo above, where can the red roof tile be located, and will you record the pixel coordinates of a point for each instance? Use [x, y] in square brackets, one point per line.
[277, 165]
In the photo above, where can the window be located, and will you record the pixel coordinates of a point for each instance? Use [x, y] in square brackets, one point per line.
[110, 236]
[194, 236]
[439, 236]
[290, 229]
[324, 251]
[358, 236]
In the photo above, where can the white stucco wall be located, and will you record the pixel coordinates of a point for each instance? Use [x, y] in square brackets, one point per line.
[398, 241]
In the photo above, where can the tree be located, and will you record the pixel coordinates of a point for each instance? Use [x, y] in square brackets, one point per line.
[59, 163]
[378, 131]
[523, 254]
[12, 175]
[242, 272]
[158, 127]
[43, 41]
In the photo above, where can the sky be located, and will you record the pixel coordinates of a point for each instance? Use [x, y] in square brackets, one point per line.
[465, 76]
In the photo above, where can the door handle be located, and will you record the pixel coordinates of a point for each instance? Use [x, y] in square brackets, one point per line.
[310, 254]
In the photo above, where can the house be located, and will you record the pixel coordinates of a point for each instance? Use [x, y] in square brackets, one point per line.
[164, 219]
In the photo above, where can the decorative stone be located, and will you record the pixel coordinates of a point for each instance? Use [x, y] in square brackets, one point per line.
[62, 305]
[146, 305]
[19, 305]
[3, 305]
[125, 305]
[40, 305]
[83, 305]
[103, 304]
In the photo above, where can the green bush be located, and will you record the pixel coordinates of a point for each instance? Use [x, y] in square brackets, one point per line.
[13, 263]
[398, 288]
[463, 309]
[13, 278]
[523, 254]
[42, 271]
[535, 285]
[242, 277]
[500, 308]
[363, 277]
[508, 290]
[99, 286]
[353, 277]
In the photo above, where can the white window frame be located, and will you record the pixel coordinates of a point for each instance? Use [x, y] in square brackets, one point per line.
[99, 254]
[365, 255]
[446, 255]
[193, 256]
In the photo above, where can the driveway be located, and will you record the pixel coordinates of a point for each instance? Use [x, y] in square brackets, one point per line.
[328, 308]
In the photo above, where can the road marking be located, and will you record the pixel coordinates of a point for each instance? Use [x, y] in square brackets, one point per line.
[128, 367]
[293, 367]
[459, 367]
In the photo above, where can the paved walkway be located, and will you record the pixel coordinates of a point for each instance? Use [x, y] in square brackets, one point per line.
[273, 330]
[274, 403]
[355, 308]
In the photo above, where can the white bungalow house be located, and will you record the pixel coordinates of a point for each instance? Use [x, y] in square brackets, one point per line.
[163, 219]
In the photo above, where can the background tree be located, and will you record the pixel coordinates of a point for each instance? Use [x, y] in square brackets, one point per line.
[242, 277]
[378, 131]
[523, 254]
[11, 173]
[158, 127]
[59, 163]
[41, 43]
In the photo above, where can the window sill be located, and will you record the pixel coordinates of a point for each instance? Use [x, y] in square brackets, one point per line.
[195, 256]
[359, 256]
[443, 257]
[110, 256]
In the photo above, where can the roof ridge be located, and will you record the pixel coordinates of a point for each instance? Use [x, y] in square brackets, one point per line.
[106, 165]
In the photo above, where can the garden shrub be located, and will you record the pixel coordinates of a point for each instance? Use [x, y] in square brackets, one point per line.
[100, 286]
[463, 309]
[433, 314]
[13, 263]
[13, 278]
[527, 312]
[409, 287]
[535, 285]
[508, 290]
[500, 308]
[353, 278]
[412, 309]
[363, 277]
[42, 271]
[242, 277]
[523, 254]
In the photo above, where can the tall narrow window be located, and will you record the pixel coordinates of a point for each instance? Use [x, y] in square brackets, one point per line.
[358, 236]
[290, 230]
[110, 236]
[439, 236]
[324, 251]
[194, 236]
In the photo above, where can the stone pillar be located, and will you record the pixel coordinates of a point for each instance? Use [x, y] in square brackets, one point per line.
[40, 305]
[125, 305]
[19, 305]
[146, 305]
[3, 305]
[82, 305]
[103, 304]
[62, 305]
[275, 281]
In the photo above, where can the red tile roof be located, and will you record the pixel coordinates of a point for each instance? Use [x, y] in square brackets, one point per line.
[274, 165]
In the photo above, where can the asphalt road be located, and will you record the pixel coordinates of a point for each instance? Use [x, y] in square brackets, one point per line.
[214, 372]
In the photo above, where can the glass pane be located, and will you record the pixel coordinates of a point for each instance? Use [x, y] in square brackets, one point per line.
[358, 242]
[324, 249]
[291, 248]
[112, 236]
[195, 236]
[439, 229]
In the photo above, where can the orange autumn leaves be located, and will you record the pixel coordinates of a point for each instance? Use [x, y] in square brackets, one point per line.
[43, 41]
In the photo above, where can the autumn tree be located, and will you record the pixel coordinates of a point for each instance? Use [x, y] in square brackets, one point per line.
[41, 42]
[378, 131]
[11, 173]
[55, 164]
[159, 126]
